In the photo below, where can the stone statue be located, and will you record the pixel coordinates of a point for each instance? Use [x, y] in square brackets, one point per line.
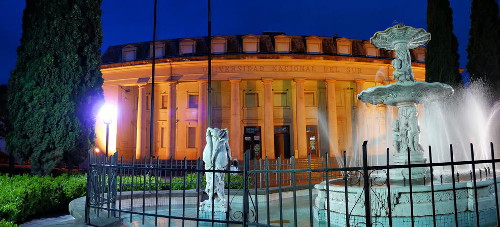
[396, 135]
[217, 156]
[403, 61]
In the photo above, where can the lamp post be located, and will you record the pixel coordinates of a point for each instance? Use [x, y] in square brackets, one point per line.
[107, 114]
[107, 121]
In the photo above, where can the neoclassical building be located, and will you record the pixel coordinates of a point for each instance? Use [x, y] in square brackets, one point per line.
[278, 94]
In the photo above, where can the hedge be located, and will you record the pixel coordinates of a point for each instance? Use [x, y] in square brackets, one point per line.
[177, 182]
[24, 196]
[191, 179]
[4, 223]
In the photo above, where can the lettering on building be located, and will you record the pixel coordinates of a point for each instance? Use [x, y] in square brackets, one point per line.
[283, 68]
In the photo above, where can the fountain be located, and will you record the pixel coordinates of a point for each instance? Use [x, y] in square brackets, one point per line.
[404, 94]
[339, 203]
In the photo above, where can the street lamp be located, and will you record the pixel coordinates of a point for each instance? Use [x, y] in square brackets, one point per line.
[106, 114]
[107, 122]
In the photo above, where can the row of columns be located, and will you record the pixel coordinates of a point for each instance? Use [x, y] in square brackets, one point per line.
[236, 119]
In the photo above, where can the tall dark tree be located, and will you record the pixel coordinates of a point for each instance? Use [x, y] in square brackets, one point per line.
[484, 44]
[56, 84]
[4, 113]
[441, 58]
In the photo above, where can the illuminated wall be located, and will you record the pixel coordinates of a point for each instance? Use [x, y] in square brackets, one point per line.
[279, 104]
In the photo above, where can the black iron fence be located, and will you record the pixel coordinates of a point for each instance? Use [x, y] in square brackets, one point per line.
[297, 192]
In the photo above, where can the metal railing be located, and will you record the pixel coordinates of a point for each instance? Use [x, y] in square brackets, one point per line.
[292, 192]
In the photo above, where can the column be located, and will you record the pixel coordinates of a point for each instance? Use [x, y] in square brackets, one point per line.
[202, 117]
[140, 119]
[359, 89]
[268, 132]
[360, 120]
[235, 137]
[331, 103]
[172, 119]
[349, 105]
[301, 118]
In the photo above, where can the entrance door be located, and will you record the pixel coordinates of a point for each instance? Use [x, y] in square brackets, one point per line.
[251, 141]
[282, 141]
[312, 140]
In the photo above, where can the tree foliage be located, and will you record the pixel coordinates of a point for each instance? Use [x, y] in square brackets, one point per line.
[484, 44]
[4, 113]
[441, 59]
[56, 84]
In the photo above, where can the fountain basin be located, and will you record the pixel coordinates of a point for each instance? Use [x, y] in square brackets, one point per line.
[400, 204]
[405, 92]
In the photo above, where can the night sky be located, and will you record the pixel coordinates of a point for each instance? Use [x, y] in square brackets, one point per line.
[129, 21]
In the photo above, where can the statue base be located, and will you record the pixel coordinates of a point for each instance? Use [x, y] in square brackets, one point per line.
[213, 211]
[418, 175]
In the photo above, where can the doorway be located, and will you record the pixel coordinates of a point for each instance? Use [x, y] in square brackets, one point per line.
[282, 141]
[312, 140]
[252, 141]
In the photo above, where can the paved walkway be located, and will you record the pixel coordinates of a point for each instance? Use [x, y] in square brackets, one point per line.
[49, 221]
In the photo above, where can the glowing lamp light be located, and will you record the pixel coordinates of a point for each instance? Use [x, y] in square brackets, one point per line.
[96, 150]
[107, 113]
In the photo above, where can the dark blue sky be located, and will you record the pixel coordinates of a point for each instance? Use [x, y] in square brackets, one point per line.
[129, 21]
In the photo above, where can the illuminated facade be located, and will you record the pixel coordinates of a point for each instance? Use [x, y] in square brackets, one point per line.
[279, 95]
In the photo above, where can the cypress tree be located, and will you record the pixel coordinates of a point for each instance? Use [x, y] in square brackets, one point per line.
[56, 84]
[441, 58]
[484, 44]
[4, 113]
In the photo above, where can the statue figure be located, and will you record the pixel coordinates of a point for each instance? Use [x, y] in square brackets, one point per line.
[216, 156]
[404, 128]
[413, 135]
[398, 74]
[402, 63]
[396, 135]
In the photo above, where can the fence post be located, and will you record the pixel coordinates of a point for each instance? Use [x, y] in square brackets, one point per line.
[87, 196]
[246, 166]
[366, 185]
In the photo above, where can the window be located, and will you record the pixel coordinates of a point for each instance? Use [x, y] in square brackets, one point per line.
[251, 44]
[191, 137]
[219, 45]
[148, 102]
[164, 101]
[370, 49]
[251, 100]
[280, 99]
[344, 46]
[159, 52]
[129, 53]
[314, 44]
[282, 43]
[187, 47]
[192, 101]
[309, 99]
[162, 136]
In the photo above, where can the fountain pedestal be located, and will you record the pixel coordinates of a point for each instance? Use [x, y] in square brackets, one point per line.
[213, 211]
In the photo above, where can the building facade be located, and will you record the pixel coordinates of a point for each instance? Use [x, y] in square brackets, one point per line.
[279, 95]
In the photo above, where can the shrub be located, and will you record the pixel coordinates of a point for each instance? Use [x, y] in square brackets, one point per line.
[191, 179]
[4, 223]
[24, 196]
[138, 184]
